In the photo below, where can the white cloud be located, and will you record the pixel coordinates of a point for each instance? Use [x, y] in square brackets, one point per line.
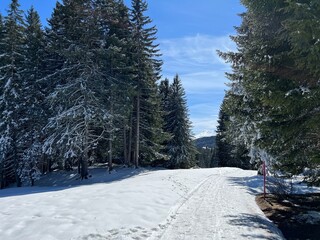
[202, 73]
[204, 124]
[196, 61]
[197, 52]
[204, 117]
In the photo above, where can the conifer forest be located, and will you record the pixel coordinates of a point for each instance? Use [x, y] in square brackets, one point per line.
[85, 89]
[159, 120]
[271, 111]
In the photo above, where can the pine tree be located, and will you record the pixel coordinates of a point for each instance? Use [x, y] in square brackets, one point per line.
[80, 117]
[271, 84]
[33, 104]
[165, 93]
[2, 140]
[11, 118]
[115, 28]
[181, 148]
[222, 142]
[2, 34]
[147, 66]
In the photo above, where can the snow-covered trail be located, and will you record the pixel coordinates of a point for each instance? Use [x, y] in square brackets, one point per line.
[129, 204]
[221, 208]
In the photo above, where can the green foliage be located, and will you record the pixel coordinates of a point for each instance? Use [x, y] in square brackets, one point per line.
[146, 70]
[11, 100]
[84, 90]
[274, 90]
[181, 149]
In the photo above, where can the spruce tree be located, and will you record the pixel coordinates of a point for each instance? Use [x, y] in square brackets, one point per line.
[33, 98]
[80, 117]
[147, 66]
[272, 88]
[222, 142]
[2, 139]
[181, 148]
[11, 116]
[114, 25]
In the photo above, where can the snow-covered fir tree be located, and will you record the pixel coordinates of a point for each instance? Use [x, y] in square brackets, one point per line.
[80, 117]
[12, 116]
[33, 98]
[273, 90]
[86, 86]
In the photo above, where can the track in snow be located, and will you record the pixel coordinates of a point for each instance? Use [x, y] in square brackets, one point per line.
[222, 207]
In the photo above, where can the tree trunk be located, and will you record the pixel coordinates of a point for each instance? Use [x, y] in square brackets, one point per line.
[136, 158]
[84, 166]
[125, 155]
[16, 163]
[79, 165]
[130, 140]
[110, 154]
[1, 175]
[84, 162]
[110, 141]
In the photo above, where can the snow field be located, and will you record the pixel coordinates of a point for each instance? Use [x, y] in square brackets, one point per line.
[131, 204]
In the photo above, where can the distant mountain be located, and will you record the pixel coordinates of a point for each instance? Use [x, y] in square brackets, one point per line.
[205, 142]
[206, 133]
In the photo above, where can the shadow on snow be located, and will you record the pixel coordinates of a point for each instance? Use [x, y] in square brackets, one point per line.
[252, 184]
[59, 181]
[254, 222]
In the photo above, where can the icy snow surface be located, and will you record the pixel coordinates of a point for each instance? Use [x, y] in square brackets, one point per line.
[138, 204]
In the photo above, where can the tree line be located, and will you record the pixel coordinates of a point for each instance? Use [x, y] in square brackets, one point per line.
[85, 88]
[271, 111]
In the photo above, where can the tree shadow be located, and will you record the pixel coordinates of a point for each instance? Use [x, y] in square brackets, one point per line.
[59, 181]
[253, 185]
[254, 222]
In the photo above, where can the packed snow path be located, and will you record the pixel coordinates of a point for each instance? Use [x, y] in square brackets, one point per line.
[128, 204]
[222, 207]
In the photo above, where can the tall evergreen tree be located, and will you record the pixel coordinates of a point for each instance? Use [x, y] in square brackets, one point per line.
[114, 25]
[11, 118]
[223, 147]
[181, 148]
[81, 119]
[275, 84]
[33, 97]
[147, 66]
[2, 140]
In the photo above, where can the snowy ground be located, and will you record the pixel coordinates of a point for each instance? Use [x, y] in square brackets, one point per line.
[138, 204]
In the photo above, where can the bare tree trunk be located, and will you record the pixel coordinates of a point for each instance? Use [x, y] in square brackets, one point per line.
[2, 184]
[110, 154]
[84, 160]
[79, 165]
[130, 140]
[16, 164]
[125, 155]
[84, 166]
[136, 158]
[43, 161]
[110, 167]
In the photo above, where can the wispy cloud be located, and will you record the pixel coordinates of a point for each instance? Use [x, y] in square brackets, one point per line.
[202, 72]
[196, 60]
[201, 125]
[195, 53]
[204, 117]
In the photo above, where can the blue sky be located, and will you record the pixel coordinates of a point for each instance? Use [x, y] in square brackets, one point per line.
[189, 33]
